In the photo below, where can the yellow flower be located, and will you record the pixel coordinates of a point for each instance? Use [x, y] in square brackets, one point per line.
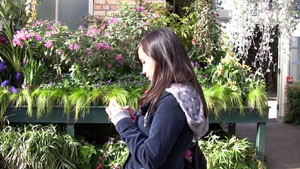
[64, 27]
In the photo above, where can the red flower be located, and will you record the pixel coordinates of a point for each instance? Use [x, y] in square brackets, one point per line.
[100, 158]
[99, 165]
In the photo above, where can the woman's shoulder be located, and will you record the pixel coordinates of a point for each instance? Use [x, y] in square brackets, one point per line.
[168, 100]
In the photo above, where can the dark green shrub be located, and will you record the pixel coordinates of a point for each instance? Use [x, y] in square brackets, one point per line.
[293, 115]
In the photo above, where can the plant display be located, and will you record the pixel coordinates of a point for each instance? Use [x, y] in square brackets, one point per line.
[228, 84]
[219, 153]
[37, 147]
[88, 66]
[113, 154]
[229, 153]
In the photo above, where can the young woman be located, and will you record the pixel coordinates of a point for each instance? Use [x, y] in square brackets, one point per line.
[172, 110]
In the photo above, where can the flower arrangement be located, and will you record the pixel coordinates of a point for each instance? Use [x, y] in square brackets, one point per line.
[88, 66]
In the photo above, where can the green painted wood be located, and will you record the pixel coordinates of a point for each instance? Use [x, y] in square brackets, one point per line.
[98, 115]
[18, 115]
[261, 140]
[235, 116]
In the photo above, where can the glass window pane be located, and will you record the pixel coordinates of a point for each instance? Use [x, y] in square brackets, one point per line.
[46, 10]
[71, 11]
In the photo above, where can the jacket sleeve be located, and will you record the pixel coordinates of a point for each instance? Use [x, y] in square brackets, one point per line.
[152, 151]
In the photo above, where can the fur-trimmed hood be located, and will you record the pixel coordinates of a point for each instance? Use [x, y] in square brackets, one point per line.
[192, 106]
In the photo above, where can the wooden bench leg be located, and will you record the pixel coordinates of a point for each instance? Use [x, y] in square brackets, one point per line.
[70, 129]
[260, 140]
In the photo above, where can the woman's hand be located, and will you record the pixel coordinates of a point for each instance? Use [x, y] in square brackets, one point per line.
[113, 107]
[129, 109]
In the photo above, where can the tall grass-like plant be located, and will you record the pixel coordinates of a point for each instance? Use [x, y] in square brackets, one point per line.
[133, 95]
[257, 99]
[95, 95]
[79, 99]
[4, 99]
[23, 97]
[11, 15]
[116, 93]
[36, 146]
[220, 97]
[42, 103]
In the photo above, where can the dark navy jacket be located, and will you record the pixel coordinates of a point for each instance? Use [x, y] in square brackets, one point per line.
[160, 141]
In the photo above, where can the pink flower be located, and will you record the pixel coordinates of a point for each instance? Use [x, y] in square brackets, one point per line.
[106, 46]
[80, 27]
[112, 20]
[109, 65]
[71, 46]
[140, 9]
[76, 46]
[99, 45]
[38, 37]
[112, 139]
[118, 57]
[48, 44]
[18, 42]
[92, 31]
[58, 52]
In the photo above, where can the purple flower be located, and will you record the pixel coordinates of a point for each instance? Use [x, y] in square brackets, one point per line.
[132, 66]
[4, 83]
[48, 44]
[2, 66]
[13, 89]
[18, 76]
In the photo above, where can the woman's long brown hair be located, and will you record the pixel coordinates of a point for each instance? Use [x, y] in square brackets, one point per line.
[172, 65]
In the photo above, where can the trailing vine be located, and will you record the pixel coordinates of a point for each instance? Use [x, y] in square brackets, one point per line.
[248, 18]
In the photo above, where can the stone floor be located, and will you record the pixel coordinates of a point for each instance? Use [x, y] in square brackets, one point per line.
[282, 141]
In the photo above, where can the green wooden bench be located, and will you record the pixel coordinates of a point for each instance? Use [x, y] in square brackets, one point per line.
[98, 115]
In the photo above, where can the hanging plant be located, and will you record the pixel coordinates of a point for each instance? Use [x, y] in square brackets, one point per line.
[248, 18]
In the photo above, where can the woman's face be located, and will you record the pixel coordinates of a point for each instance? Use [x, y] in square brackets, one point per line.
[148, 63]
